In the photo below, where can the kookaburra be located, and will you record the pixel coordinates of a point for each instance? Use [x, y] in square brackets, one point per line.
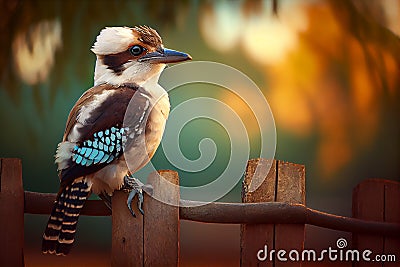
[102, 133]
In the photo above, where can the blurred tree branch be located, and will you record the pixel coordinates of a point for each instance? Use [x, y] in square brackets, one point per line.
[365, 29]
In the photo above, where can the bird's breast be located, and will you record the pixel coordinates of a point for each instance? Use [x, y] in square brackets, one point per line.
[137, 154]
[142, 147]
[156, 124]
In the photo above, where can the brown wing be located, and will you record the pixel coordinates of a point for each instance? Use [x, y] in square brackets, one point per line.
[112, 109]
[109, 112]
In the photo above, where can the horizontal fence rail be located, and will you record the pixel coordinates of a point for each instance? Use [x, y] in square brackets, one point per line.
[272, 213]
[235, 213]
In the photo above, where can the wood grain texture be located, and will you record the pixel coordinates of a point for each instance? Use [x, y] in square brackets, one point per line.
[151, 239]
[369, 204]
[277, 181]
[42, 203]
[392, 214]
[127, 233]
[254, 237]
[161, 220]
[236, 213]
[291, 180]
[11, 213]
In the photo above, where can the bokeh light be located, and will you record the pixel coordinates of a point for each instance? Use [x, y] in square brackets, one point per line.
[329, 69]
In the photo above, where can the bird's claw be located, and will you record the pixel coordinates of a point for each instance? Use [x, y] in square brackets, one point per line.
[134, 186]
[131, 196]
[131, 183]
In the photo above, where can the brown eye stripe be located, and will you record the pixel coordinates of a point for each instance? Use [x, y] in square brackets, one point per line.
[115, 62]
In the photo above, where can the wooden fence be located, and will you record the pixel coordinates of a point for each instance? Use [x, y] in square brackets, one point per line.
[274, 215]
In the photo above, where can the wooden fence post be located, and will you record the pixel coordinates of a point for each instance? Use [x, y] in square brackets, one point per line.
[392, 214]
[377, 200]
[152, 239]
[254, 237]
[161, 220]
[290, 189]
[283, 182]
[127, 233]
[11, 213]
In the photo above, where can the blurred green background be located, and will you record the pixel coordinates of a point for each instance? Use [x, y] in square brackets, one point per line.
[329, 70]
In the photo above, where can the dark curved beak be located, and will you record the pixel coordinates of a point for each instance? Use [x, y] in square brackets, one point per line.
[165, 56]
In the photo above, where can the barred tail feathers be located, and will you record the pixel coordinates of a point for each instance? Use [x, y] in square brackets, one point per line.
[60, 231]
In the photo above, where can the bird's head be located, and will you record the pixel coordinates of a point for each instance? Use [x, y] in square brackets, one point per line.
[131, 55]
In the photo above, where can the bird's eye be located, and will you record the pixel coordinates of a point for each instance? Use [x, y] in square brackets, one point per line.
[136, 50]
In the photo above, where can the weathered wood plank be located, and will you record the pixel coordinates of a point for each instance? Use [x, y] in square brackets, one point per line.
[232, 213]
[11, 213]
[257, 187]
[392, 214]
[290, 189]
[161, 220]
[368, 204]
[42, 203]
[127, 233]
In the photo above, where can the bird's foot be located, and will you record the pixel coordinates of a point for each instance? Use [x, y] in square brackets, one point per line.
[134, 186]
